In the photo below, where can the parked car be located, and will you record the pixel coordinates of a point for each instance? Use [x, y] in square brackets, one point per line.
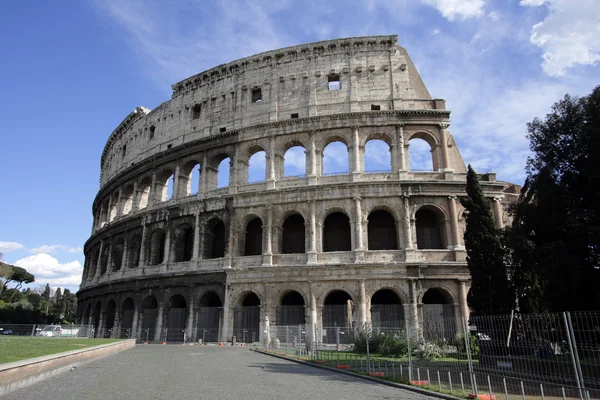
[7, 331]
[58, 331]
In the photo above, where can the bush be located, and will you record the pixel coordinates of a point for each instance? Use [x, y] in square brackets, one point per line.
[385, 343]
[428, 351]
[460, 344]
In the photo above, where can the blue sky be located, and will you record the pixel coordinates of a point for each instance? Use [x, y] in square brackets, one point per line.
[71, 71]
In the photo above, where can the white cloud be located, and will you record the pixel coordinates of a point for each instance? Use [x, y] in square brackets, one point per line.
[457, 9]
[435, 31]
[48, 269]
[494, 16]
[5, 247]
[335, 158]
[532, 3]
[54, 248]
[569, 35]
[294, 162]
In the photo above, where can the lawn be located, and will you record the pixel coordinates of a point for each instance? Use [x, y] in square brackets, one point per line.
[15, 348]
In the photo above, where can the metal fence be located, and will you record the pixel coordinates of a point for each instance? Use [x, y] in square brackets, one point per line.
[516, 356]
[45, 330]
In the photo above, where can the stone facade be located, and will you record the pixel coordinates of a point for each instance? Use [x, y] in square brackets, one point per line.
[315, 249]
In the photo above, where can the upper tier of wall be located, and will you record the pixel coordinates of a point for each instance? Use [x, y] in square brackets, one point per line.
[292, 83]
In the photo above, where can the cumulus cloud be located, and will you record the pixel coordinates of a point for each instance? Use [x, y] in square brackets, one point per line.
[54, 248]
[48, 269]
[457, 9]
[532, 3]
[494, 16]
[5, 247]
[568, 36]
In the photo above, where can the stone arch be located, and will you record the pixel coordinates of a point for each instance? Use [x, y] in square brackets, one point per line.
[253, 237]
[376, 153]
[382, 231]
[209, 316]
[333, 159]
[184, 242]
[337, 309]
[148, 315]
[164, 184]
[117, 250]
[145, 191]
[290, 309]
[127, 312]
[417, 160]
[110, 312]
[135, 248]
[256, 164]
[218, 171]
[387, 310]
[156, 248]
[94, 262]
[214, 239]
[438, 313]
[127, 199]
[104, 258]
[104, 213]
[293, 234]
[114, 205]
[294, 159]
[246, 324]
[430, 227]
[176, 318]
[96, 317]
[337, 232]
[189, 178]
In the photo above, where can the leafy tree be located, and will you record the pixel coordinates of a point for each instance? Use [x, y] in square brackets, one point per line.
[490, 292]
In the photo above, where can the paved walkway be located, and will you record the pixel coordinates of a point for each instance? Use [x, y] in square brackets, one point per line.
[210, 372]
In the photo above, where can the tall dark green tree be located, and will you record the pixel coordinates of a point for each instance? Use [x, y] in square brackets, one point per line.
[554, 244]
[490, 292]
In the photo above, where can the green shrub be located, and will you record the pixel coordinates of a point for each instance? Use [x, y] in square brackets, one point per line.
[387, 343]
[428, 351]
[460, 345]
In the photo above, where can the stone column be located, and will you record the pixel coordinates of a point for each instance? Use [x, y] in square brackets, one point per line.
[196, 253]
[153, 198]
[189, 325]
[142, 261]
[100, 333]
[400, 152]
[135, 201]
[454, 222]
[312, 249]
[109, 211]
[159, 323]
[167, 255]
[408, 241]
[125, 255]
[134, 324]
[498, 209]
[362, 305]
[356, 167]
[464, 307]
[267, 252]
[176, 193]
[312, 155]
[359, 250]
[233, 172]
[414, 315]
[99, 260]
[271, 165]
[311, 326]
[202, 181]
[264, 336]
[227, 315]
[119, 203]
[109, 266]
[444, 147]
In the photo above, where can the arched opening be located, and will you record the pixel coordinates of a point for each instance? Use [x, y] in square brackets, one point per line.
[377, 156]
[214, 239]
[96, 319]
[127, 318]
[135, 246]
[113, 207]
[438, 315]
[157, 247]
[189, 178]
[184, 243]
[104, 213]
[87, 315]
[429, 224]
[144, 194]
[117, 254]
[94, 263]
[337, 313]
[209, 317]
[382, 231]
[387, 310]
[109, 319]
[128, 202]
[294, 162]
[223, 172]
[293, 239]
[335, 159]
[176, 318]
[167, 193]
[257, 167]
[104, 259]
[336, 233]
[247, 319]
[291, 310]
[149, 314]
[420, 155]
[253, 244]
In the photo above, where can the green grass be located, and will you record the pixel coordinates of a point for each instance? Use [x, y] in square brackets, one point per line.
[16, 348]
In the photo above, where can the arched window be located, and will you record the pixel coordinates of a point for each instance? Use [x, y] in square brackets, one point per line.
[184, 243]
[335, 159]
[157, 247]
[164, 184]
[382, 231]
[293, 235]
[144, 194]
[117, 254]
[223, 173]
[387, 310]
[189, 178]
[104, 259]
[336, 233]
[253, 244]
[128, 202]
[377, 156]
[291, 310]
[294, 162]
[420, 154]
[257, 167]
[214, 239]
[429, 224]
[135, 246]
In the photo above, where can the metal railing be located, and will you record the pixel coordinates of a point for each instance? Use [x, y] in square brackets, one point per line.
[47, 330]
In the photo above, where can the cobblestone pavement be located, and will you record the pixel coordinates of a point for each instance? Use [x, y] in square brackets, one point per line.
[210, 372]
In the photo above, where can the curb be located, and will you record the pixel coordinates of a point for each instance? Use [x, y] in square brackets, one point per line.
[365, 377]
[20, 374]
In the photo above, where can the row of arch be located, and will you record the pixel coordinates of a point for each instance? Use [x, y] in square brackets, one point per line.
[382, 234]
[153, 322]
[191, 177]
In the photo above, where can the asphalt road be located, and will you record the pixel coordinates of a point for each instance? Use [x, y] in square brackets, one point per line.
[191, 372]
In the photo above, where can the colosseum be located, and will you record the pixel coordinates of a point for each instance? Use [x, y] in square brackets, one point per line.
[187, 244]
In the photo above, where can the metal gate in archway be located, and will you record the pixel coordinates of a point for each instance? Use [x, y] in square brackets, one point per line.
[246, 326]
[209, 320]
